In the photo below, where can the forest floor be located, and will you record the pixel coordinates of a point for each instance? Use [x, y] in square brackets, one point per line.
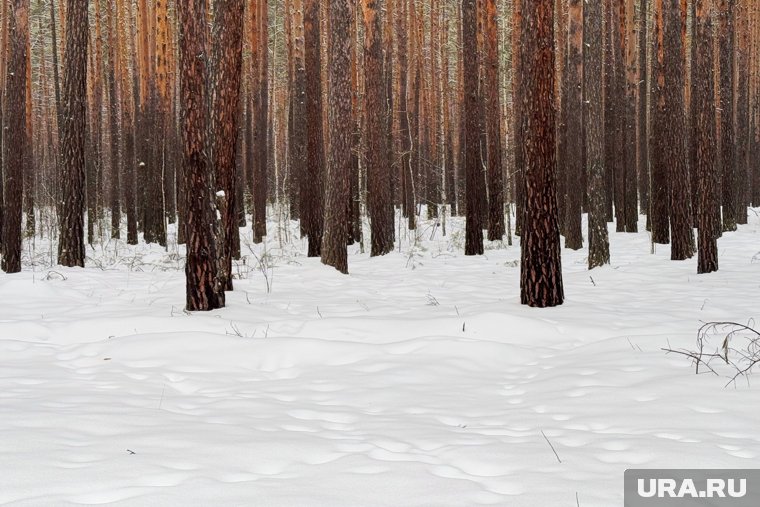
[417, 380]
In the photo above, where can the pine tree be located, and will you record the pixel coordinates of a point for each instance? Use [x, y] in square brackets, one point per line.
[496, 227]
[71, 249]
[541, 266]
[312, 185]
[228, 64]
[705, 141]
[379, 205]
[16, 161]
[682, 240]
[574, 155]
[202, 285]
[338, 178]
[474, 226]
[598, 236]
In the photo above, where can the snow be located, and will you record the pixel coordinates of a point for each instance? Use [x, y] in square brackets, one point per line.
[417, 380]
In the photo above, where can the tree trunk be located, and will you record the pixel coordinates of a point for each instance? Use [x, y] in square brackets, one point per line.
[659, 199]
[228, 63]
[541, 266]
[71, 249]
[17, 164]
[202, 285]
[574, 142]
[379, 204]
[338, 179]
[703, 103]
[727, 140]
[598, 236]
[312, 186]
[474, 226]
[496, 228]
[682, 241]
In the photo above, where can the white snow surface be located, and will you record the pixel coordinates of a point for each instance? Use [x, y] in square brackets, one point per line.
[417, 380]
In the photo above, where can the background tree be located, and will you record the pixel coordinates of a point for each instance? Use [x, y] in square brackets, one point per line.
[541, 266]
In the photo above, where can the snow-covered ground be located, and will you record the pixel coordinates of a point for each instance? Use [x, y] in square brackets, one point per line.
[419, 379]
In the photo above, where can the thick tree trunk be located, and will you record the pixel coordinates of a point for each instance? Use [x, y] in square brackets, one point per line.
[474, 226]
[338, 180]
[17, 164]
[71, 249]
[727, 140]
[203, 291]
[703, 103]
[379, 204]
[659, 191]
[574, 142]
[312, 186]
[541, 266]
[682, 241]
[496, 227]
[598, 236]
[228, 64]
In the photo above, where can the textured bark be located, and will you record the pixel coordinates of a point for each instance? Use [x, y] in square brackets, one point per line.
[743, 181]
[631, 211]
[202, 286]
[115, 120]
[682, 240]
[703, 103]
[312, 186]
[474, 226]
[598, 236]
[659, 191]
[405, 169]
[517, 142]
[379, 206]
[336, 226]
[496, 227]
[228, 65]
[261, 120]
[619, 108]
[16, 162]
[298, 143]
[574, 143]
[151, 135]
[727, 139]
[610, 113]
[541, 266]
[642, 104]
[71, 249]
[3, 135]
